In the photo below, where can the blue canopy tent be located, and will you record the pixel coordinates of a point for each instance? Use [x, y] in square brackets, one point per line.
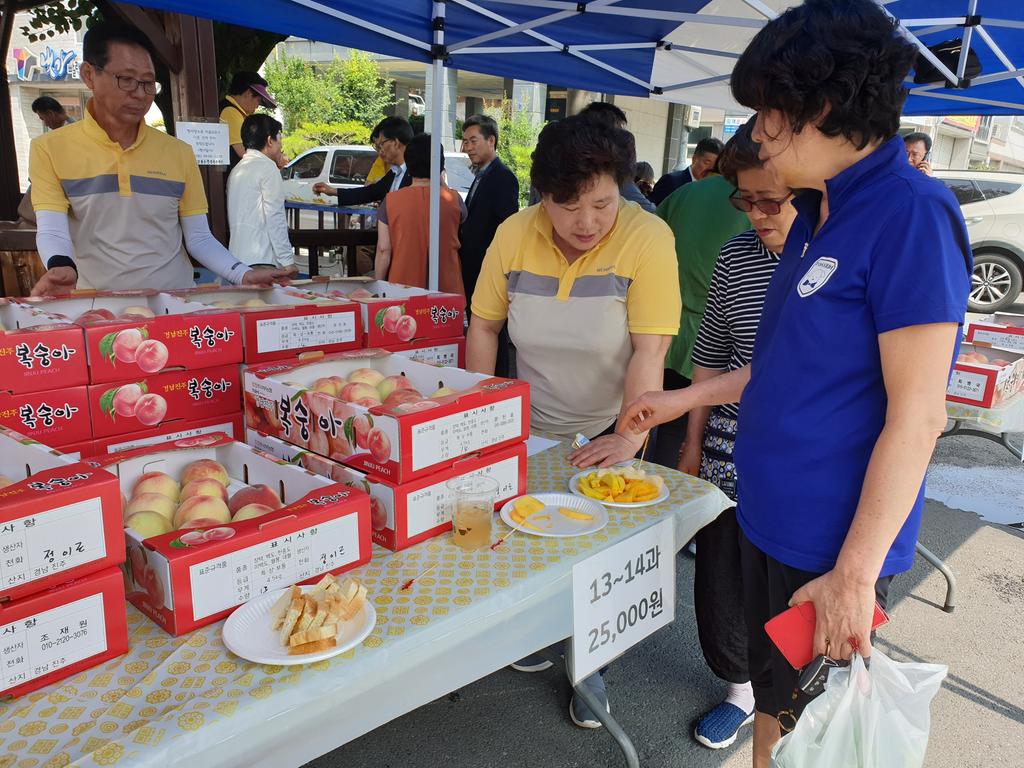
[677, 50]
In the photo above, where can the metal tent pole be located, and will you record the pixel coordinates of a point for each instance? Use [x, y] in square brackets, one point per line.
[436, 122]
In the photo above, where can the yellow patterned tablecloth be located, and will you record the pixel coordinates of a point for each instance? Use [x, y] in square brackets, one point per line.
[188, 700]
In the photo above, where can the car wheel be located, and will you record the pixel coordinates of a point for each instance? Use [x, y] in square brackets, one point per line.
[995, 283]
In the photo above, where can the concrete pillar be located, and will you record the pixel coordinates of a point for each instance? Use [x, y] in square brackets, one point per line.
[474, 106]
[675, 139]
[401, 105]
[530, 98]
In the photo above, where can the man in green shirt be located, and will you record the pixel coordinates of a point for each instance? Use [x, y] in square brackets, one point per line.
[703, 220]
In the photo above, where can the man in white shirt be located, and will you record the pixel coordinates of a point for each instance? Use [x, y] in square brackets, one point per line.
[259, 229]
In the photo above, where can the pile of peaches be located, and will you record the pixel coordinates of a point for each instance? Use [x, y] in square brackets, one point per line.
[160, 504]
[102, 314]
[369, 387]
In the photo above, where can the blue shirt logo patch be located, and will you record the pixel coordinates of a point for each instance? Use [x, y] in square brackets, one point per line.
[819, 274]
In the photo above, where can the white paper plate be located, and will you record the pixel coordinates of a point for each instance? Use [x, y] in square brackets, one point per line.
[574, 486]
[560, 526]
[247, 632]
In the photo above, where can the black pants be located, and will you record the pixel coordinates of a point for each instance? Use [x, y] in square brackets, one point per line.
[718, 599]
[767, 587]
[671, 434]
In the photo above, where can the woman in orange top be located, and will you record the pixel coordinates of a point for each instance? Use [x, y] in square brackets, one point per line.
[403, 227]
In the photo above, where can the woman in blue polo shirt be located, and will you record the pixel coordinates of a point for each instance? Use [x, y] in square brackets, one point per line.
[844, 399]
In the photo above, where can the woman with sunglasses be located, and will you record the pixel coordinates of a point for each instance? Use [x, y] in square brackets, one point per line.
[725, 342]
[702, 220]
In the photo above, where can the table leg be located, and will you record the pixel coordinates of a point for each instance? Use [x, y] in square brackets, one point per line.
[932, 558]
[314, 261]
[605, 718]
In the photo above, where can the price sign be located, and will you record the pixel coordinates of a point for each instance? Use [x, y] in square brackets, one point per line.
[622, 595]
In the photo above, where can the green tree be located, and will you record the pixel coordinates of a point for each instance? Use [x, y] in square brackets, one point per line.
[309, 135]
[345, 90]
[236, 48]
[517, 138]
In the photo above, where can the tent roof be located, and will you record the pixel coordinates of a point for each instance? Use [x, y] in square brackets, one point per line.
[680, 50]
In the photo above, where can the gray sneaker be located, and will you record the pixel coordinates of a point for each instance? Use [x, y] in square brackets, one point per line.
[580, 713]
[532, 663]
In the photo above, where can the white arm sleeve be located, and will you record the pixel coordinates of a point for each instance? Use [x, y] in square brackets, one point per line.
[53, 237]
[208, 251]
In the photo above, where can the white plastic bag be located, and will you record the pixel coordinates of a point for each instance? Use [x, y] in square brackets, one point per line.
[866, 718]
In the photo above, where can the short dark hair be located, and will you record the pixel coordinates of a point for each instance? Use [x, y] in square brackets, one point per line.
[571, 152]
[397, 128]
[47, 104]
[257, 129]
[910, 138]
[488, 126]
[740, 153]
[644, 172]
[97, 40]
[604, 112]
[708, 146]
[417, 156]
[842, 55]
[243, 81]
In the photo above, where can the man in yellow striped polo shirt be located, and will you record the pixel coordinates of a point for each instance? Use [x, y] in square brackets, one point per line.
[118, 202]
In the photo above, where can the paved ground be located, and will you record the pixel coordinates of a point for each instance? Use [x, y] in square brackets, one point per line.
[513, 720]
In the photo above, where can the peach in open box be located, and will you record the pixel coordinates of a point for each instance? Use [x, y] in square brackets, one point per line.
[39, 351]
[985, 376]
[135, 333]
[399, 440]
[59, 519]
[280, 323]
[187, 578]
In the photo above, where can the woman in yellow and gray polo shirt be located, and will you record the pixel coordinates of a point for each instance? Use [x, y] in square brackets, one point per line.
[588, 285]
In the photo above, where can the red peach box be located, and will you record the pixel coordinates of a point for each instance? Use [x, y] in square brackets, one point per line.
[183, 581]
[401, 442]
[56, 417]
[394, 313]
[403, 515]
[38, 351]
[279, 323]
[1003, 330]
[52, 635]
[59, 519]
[231, 425]
[441, 352]
[985, 376]
[164, 399]
[129, 334]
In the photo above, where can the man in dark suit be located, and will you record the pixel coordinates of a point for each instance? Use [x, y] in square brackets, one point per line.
[493, 197]
[704, 157]
[389, 137]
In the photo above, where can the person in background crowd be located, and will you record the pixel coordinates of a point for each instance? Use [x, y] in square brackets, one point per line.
[704, 156]
[919, 151]
[51, 112]
[644, 178]
[403, 227]
[393, 136]
[246, 94]
[724, 343]
[702, 220]
[845, 396]
[583, 353]
[256, 217]
[118, 202]
[493, 197]
[611, 115]
[379, 167]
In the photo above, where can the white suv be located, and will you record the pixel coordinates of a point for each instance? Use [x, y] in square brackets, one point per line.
[993, 206]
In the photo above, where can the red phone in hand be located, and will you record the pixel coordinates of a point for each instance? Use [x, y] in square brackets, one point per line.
[792, 631]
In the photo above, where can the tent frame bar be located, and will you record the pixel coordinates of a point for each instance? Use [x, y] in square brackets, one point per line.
[362, 23]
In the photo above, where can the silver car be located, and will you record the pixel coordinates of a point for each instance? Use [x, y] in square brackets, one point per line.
[993, 206]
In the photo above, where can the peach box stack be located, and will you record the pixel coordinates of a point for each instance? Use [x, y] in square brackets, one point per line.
[425, 325]
[395, 427]
[62, 593]
[985, 376]
[155, 365]
[211, 522]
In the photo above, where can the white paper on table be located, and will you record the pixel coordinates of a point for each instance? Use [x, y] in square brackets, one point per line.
[535, 444]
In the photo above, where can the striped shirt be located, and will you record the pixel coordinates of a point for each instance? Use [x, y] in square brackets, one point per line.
[725, 341]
